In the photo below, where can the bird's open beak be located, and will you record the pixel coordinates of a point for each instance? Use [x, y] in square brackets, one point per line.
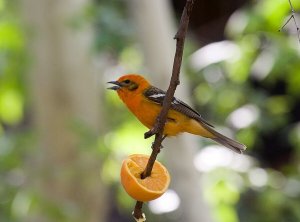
[117, 85]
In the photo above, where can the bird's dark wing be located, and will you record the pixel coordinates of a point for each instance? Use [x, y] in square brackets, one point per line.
[157, 95]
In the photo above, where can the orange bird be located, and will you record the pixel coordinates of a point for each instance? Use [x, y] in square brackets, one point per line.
[145, 102]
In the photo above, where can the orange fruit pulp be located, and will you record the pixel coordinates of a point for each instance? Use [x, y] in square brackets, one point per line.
[146, 189]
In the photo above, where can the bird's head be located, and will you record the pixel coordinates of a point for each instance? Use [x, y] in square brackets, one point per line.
[130, 83]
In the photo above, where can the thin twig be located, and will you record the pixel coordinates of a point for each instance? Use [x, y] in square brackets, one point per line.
[294, 19]
[158, 128]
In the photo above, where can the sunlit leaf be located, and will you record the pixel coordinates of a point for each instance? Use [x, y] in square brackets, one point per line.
[248, 136]
[11, 106]
[131, 58]
[228, 99]
[2, 5]
[110, 171]
[129, 138]
[278, 104]
[293, 80]
[10, 36]
[21, 204]
[203, 93]
[226, 213]
[273, 11]
[240, 69]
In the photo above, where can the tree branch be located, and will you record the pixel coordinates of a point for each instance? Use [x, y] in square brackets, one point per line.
[294, 19]
[161, 119]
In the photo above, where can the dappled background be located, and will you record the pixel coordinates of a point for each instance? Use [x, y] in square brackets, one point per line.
[63, 135]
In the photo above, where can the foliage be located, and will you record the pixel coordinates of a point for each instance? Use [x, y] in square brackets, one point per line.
[260, 79]
[113, 31]
[262, 73]
[14, 143]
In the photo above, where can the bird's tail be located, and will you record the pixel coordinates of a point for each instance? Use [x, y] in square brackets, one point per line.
[225, 141]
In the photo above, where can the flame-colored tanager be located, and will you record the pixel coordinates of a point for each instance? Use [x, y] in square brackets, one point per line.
[145, 102]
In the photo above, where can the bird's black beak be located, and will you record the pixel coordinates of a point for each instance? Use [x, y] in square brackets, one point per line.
[117, 85]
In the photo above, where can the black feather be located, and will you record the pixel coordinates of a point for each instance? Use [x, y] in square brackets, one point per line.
[157, 95]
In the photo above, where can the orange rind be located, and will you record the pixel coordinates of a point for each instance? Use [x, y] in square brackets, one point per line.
[146, 189]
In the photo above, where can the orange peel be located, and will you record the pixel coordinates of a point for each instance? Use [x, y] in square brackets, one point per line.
[146, 189]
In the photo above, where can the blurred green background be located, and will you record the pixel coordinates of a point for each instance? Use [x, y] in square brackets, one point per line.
[63, 135]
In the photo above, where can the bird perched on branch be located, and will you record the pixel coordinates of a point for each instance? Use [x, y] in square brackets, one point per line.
[145, 102]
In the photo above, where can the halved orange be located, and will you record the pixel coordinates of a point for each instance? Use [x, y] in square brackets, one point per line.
[146, 189]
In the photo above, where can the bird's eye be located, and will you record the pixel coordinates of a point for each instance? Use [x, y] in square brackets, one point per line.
[127, 81]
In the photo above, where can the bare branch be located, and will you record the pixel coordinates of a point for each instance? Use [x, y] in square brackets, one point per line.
[158, 128]
[294, 19]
